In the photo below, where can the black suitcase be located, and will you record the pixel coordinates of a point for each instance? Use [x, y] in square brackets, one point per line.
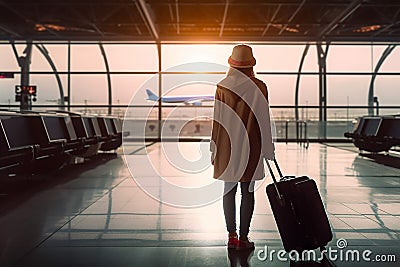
[299, 213]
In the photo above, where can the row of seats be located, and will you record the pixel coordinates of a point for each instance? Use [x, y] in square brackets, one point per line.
[32, 141]
[376, 133]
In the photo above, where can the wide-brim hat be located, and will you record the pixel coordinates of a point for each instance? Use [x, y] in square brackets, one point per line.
[242, 57]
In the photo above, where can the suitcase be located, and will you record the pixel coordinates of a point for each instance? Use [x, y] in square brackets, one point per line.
[299, 212]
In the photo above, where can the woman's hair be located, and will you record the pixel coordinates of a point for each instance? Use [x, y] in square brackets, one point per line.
[247, 71]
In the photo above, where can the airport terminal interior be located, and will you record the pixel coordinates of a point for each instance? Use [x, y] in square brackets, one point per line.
[106, 115]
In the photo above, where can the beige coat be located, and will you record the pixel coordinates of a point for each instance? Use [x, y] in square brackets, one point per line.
[241, 132]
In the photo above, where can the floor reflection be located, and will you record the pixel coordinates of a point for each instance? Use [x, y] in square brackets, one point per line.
[240, 258]
[100, 216]
[323, 263]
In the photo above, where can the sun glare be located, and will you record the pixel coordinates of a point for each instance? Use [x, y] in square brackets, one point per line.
[177, 54]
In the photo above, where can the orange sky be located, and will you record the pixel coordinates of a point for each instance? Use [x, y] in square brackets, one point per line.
[270, 58]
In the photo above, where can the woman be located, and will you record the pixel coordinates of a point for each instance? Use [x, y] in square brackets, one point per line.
[241, 138]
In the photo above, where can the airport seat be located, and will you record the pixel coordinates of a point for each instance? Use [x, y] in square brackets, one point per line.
[88, 131]
[93, 133]
[376, 133]
[27, 132]
[84, 131]
[106, 133]
[34, 142]
[113, 129]
[12, 156]
[60, 128]
[96, 132]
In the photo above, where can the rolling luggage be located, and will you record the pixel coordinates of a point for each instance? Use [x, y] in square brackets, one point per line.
[299, 213]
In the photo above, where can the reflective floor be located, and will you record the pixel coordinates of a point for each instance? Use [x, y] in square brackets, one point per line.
[97, 214]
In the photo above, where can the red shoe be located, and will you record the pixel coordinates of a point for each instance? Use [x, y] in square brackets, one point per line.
[245, 244]
[233, 242]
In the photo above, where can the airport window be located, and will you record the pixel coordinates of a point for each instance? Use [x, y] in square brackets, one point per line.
[195, 69]
[126, 88]
[90, 89]
[176, 55]
[343, 89]
[310, 61]
[8, 62]
[277, 58]
[132, 57]
[280, 88]
[391, 64]
[352, 58]
[86, 58]
[308, 90]
[7, 95]
[386, 88]
[58, 54]
[48, 89]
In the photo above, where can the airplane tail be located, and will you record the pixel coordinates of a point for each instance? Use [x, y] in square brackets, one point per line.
[151, 96]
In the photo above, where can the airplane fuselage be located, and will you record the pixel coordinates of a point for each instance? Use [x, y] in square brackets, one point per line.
[183, 99]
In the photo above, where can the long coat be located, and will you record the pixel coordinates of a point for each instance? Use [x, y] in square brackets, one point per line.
[241, 132]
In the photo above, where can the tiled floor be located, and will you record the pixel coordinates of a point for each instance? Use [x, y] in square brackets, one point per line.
[98, 215]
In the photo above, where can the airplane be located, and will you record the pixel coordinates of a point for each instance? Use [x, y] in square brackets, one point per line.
[195, 100]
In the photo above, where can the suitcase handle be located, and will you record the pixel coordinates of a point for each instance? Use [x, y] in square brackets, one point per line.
[280, 197]
[277, 168]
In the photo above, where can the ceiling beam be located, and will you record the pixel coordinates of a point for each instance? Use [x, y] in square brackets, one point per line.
[271, 20]
[22, 16]
[224, 18]
[111, 13]
[11, 32]
[94, 26]
[350, 9]
[147, 18]
[171, 13]
[15, 11]
[300, 39]
[292, 17]
[178, 30]
[134, 22]
[387, 27]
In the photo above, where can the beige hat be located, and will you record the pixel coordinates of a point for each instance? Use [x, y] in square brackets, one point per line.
[242, 57]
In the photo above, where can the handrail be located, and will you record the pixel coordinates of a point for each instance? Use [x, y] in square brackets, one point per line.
[299, 132]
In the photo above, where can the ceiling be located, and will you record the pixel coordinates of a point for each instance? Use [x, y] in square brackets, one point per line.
[193, 21]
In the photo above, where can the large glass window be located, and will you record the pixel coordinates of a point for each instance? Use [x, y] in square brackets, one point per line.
[386, 88]
[352, 89]
[126, 57]
[57, 53]
[391, 63]
[194, 69]
[7, 88]
[275, 58]
[89, 89]
[280, 88]
[175, 55]
[48, 91]
[128, 88]
[8, 61]
[86, 58]
[349, 58]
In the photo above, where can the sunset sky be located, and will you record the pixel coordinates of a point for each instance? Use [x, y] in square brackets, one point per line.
[143, 58]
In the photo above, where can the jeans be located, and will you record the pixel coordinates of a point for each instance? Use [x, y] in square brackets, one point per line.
[246, 206]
